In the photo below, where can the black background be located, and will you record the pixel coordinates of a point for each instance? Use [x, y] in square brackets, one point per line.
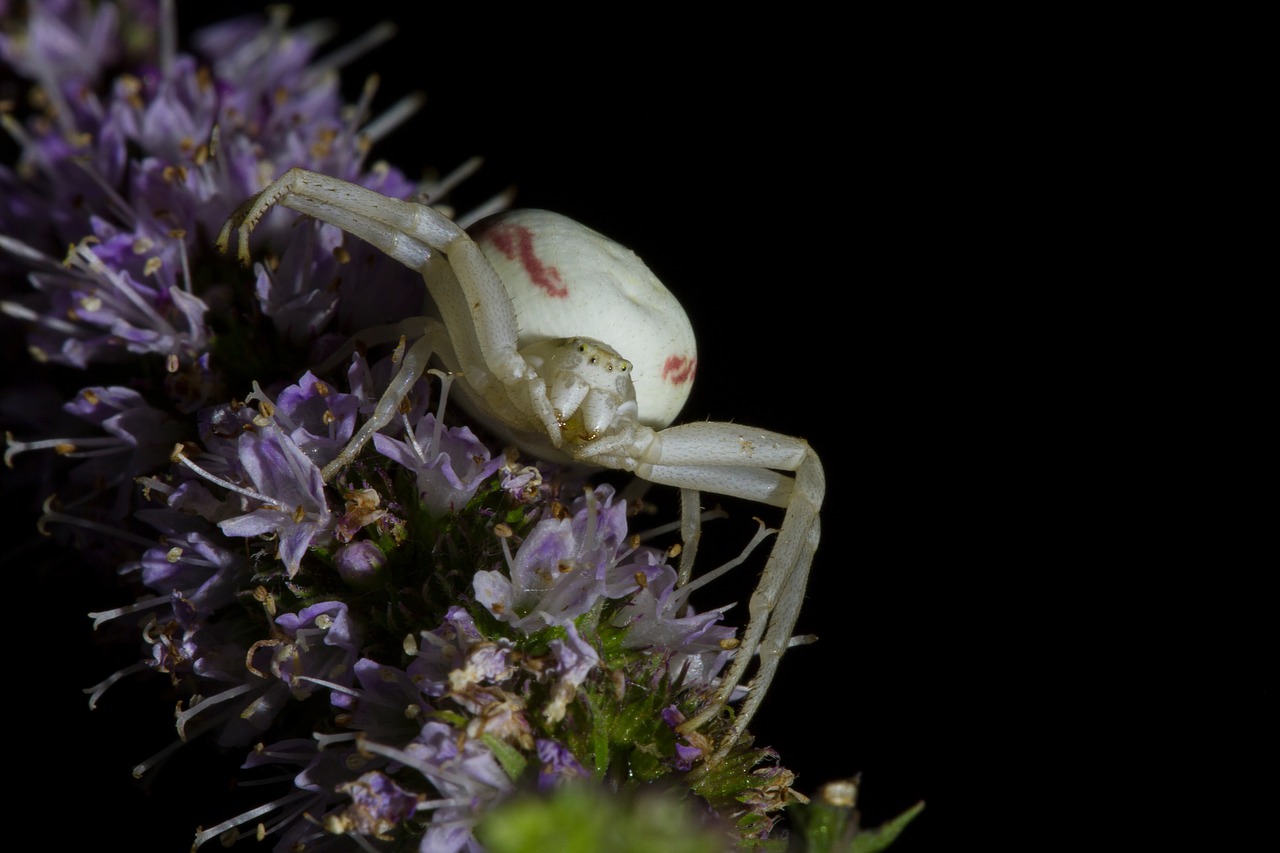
[807, 190]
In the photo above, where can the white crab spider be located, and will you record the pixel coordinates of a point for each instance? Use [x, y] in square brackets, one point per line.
[525, 308]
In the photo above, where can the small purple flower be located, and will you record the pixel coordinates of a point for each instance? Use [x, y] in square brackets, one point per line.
[558, 765]
[192, 562]
[294, 508]
[360, 563]
[564, 567]
[466, 774]
[686, 753]
[378, 805]
[575, 659]
[485, 663]
[450, 463]
[524, 483]
[694, 643]
[321, 773]
[444, 650]
[320, 419]
[320, 642]
[140, 439]
[194, 577]
[390, 707]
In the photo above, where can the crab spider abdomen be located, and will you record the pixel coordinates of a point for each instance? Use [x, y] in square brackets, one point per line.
[567, 281]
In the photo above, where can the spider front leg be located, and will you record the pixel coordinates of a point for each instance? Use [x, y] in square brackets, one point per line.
[746, 463]
[472, 301]
[413, 364]
[478, 335]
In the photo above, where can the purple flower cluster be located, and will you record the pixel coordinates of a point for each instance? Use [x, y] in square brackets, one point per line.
[444, 623]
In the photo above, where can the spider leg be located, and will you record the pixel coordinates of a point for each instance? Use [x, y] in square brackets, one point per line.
[479, 324]
[690, 532]
[747, 463]
[412, 365]
[775, 605]
[472, 301]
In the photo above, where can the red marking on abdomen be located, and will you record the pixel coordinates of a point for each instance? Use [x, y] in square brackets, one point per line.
[677, 369]
[516, 242]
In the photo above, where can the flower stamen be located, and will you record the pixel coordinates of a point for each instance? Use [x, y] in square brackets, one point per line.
[179, 455]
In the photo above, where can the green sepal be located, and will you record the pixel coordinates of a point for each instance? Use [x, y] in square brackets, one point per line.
[826, 827]
[508, 756]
